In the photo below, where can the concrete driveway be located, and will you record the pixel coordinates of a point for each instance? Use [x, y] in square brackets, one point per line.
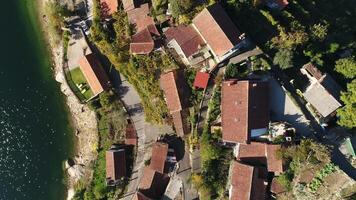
[77, 48]
[284, 109]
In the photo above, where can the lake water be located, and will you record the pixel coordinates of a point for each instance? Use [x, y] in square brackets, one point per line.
[35, 133]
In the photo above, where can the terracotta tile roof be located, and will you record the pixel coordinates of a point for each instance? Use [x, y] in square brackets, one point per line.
[115, 164]
[180, 122]
[246, 185]
[174, 88]
[187, 38]
[153, 184]
[244, 107]
[170, 89]
[159, 156]
[141, 19]
[277, 188]
[128, 4]
[142, 42]
[140, 196]
[258, 106]
[273, 162]
[261, 154]
[217, 29]
[109, 7]
[313, 71]
[201, 80]
[94, 73]
[131, 135]
[234, 108]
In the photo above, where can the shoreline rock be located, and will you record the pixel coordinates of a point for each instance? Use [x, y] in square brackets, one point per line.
[84, 122]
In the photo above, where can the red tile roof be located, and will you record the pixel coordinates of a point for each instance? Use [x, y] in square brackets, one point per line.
[234, 108]
[274, 163]
[153, 184]
[142, 42]
[169, 86]
[277, 188]
[180, 122]
[94, 73]
[159, 156]
[109, 6]
[244, 107]
[246, 185]
[187, 38]
[174, 88]
[141, 19]
[115, 164]
[131, 135]
[217, 29]
[201, 80]
[260, 153]
[128, 4]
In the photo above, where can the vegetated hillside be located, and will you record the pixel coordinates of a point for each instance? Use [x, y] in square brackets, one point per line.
[311, 175]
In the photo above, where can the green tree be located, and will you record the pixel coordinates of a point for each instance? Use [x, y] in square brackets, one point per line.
[105, 99]
[159, 6]
[347, 114]
[179, 7]
[346, 67]
[231, 71]
[319, 32]
[283, 58]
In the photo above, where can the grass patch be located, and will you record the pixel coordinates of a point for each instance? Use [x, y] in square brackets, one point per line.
[80, 83]
[111, 124]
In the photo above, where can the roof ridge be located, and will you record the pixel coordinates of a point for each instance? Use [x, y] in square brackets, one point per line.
[176, 89]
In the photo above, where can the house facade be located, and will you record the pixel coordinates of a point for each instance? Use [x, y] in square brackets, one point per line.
[218, 31]
[244, 110]
[115, 166]
[94, 73]
[322, 93]
[174, 88]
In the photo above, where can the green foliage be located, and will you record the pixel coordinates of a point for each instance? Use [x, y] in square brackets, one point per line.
[290, 40]
[347, 114]
[141, 71]
[308, 152]
[214, 104]
[66, 37]
[318, 179]
[159, 6]
[346, 67]
[319, 32]
[231, 71]
[106, 99]
[55, 13]
[179, 7]
[112, 119]
[269, 17]
[213, 156]
[283, 58]
[286, 179]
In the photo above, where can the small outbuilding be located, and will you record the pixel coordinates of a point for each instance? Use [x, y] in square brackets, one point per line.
[115, 166]
[94, 73]
[201, 80]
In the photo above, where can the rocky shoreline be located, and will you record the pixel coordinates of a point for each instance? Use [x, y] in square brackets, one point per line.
[84, 120]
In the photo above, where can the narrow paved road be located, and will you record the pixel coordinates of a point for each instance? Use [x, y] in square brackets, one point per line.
[134, 108]
[147, 133]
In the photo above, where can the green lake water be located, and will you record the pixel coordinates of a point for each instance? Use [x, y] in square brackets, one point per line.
[35, 133]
